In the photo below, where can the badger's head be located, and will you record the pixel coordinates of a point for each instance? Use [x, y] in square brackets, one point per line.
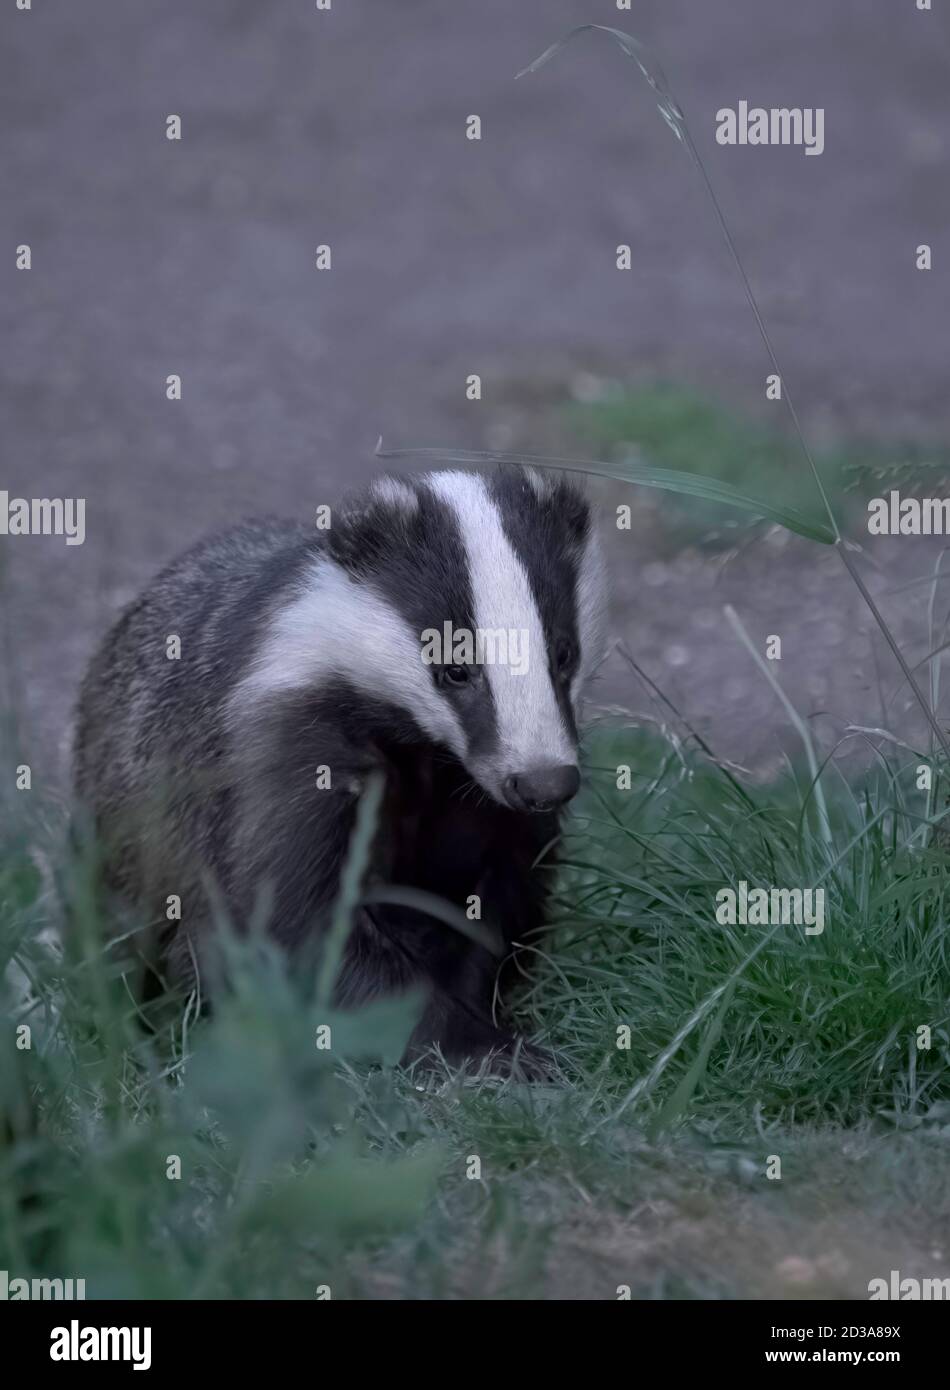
[475, 605]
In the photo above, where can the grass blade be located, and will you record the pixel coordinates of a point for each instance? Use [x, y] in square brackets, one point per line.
[644, 475]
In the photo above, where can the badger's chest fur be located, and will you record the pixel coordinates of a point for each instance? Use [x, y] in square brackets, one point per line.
[307, 660]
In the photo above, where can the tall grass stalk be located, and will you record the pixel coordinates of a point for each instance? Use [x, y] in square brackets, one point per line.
[673, 115]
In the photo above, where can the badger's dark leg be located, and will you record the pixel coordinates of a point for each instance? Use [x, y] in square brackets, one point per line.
[392, 950]
[465, 847]
[513, 889]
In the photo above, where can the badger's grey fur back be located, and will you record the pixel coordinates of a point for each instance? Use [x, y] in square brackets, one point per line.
[301, 650]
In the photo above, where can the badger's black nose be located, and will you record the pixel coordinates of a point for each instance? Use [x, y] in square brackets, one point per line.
[543, 788]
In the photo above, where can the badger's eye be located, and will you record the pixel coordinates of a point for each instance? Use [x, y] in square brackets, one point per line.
[455, 675]
[563, 654]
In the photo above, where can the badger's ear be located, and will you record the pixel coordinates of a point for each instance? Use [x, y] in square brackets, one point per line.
[572, 507]
[374, 524]
[545, 493]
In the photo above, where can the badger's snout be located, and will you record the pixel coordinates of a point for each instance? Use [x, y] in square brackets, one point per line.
[542, 788]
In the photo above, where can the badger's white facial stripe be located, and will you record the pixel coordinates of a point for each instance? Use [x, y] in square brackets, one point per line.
[337, 627]
[531, 731]
[591, 613]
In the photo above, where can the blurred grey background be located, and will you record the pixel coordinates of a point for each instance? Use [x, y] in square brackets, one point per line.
[450, 257]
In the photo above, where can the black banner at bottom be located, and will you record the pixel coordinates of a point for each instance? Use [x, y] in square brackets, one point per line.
[167, 1339]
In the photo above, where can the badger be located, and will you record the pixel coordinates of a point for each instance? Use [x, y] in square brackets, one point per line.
[234, 712]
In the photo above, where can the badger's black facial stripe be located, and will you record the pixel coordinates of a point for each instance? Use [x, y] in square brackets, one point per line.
[410, 550]
[547, 526]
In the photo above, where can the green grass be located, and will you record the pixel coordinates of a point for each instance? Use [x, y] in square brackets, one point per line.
[643, 1166]
[674, 427]
[814, 1029]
